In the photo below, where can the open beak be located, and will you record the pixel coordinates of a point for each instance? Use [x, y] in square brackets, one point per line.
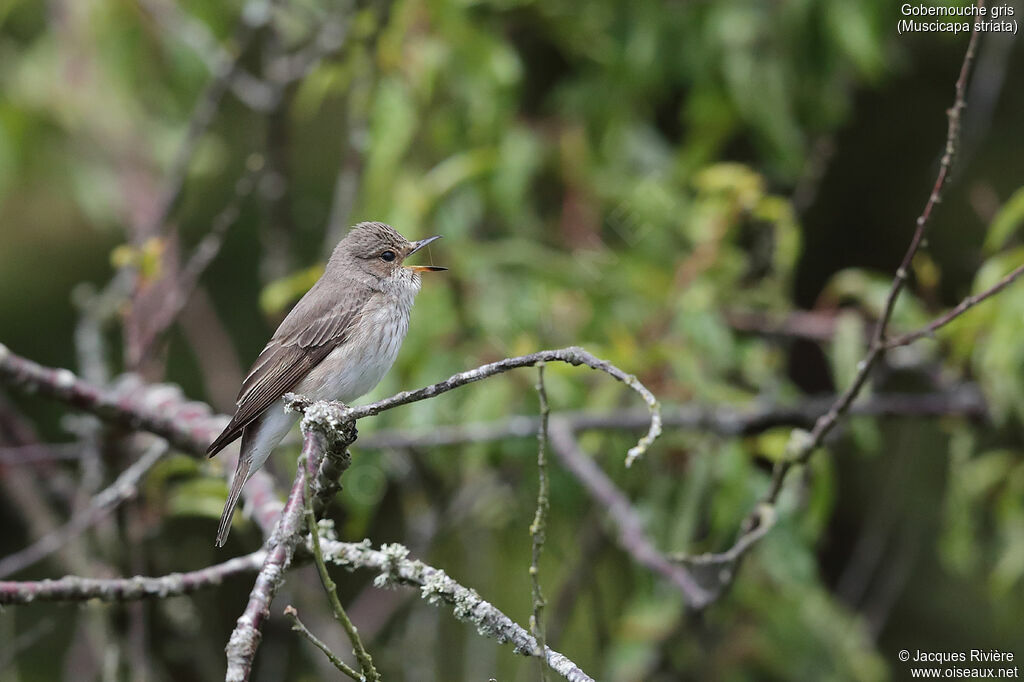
[416, 246]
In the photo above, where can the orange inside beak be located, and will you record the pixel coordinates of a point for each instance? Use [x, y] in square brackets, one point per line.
[426, 268]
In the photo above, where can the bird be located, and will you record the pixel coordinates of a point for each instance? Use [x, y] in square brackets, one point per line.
[337, 343]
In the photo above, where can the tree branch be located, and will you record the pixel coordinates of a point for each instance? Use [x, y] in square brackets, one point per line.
[74, 588]
[125, 487]
[962, 399]
[245, 639]
[300, 627]
[955, 312]
[436, 587]
[631, 537]
[802, 444]
[538, 529]
[331, 415]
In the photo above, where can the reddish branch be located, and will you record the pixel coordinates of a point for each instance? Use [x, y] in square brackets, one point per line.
[245, 640]
[160, 409]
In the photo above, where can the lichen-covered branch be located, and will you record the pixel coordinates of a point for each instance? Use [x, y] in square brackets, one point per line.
[74, 588]
[331, 416]
[538, 529]
[396, 568]
[366, 667]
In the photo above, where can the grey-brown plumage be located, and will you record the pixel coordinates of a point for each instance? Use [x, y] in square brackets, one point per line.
[336, 344]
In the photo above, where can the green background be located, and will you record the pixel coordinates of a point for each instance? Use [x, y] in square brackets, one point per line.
[622, 176]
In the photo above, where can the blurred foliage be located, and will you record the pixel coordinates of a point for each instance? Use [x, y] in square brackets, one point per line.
[617, 176]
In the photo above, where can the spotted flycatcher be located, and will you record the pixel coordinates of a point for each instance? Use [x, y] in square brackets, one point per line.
[337, 343]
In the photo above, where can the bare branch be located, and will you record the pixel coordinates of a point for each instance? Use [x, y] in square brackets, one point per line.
[74, 588]
[298, 626]
[161, 409]
[955, 312]
[802, 444]
[124, 488]
[631, 535]
[962, 399]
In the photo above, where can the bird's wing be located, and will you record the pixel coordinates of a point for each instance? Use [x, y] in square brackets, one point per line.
[318, 324]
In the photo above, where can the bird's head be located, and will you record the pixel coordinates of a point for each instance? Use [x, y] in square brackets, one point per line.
[378, 250]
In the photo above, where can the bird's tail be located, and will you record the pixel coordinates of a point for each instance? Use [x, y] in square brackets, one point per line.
[241, 476]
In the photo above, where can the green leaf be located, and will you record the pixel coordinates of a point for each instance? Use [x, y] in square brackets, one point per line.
[281, 293]
[1006, 222]
[202, 497]
[848, 347]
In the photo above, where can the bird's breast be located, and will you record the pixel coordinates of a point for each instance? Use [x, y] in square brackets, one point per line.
[355, 367]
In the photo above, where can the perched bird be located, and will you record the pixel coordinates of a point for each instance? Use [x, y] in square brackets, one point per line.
[337, 343]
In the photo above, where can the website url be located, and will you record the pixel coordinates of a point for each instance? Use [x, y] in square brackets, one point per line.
[963, 673]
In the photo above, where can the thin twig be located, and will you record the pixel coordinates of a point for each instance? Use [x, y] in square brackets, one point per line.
[298, 626]
[123, 488]
[369, 672]
[331, 415]
[955, 312]
[539, 526]
[802, 444]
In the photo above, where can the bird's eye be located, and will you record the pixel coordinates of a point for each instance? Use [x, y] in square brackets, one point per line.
[388, 256]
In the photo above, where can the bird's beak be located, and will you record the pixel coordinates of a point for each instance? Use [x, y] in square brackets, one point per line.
[416, 246]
